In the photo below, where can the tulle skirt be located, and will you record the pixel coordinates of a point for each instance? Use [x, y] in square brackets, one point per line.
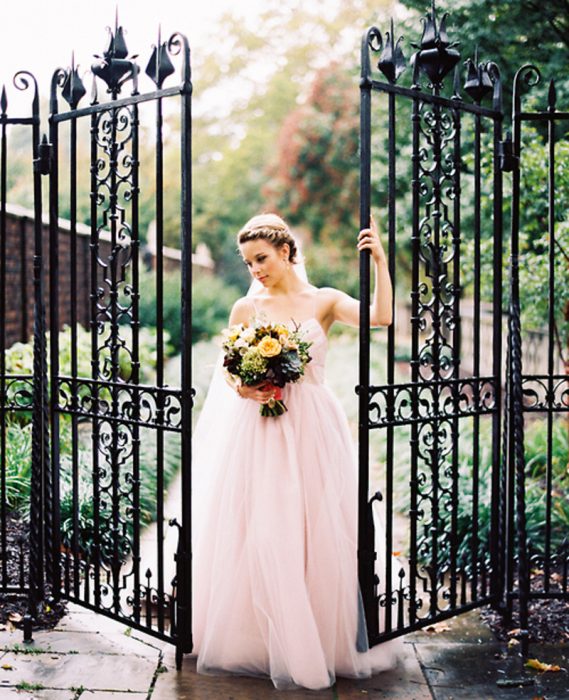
[275, 524]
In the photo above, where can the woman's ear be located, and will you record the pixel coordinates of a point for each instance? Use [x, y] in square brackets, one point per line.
[286, 251]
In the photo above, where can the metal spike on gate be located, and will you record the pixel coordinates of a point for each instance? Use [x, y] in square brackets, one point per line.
[392, 62]
[159, 66]
[478, 83]
[73, 88]
[436, 55]
[551, 96]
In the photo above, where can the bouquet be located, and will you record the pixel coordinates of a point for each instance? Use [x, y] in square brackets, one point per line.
[266, 353]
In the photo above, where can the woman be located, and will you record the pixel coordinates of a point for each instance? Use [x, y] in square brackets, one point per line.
[275, 573]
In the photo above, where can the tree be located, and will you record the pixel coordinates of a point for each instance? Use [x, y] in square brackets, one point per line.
[273, 61]
[511, 33]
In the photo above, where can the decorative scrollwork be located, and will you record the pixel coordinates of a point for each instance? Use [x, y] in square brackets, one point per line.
[135, 404]
[537, 395]
[18, 393]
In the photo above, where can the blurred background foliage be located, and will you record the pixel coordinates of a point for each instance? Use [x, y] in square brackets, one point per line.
[276, 127]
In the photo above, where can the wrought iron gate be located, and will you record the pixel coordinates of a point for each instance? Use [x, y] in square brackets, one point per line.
[103, 413]
[125, 415]
[431, 417]
[424, 411]
[21, 392]
[545, 392]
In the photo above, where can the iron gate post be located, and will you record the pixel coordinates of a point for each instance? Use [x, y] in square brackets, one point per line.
[54, 574]
[366, 549]
[39, 487]
[517, 417]
[497, 524]
[184, 642]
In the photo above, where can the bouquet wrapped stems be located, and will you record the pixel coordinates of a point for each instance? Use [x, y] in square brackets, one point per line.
[274, 406]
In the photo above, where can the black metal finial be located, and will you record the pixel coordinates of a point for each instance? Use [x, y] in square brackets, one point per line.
[436, 55]
[478, 82]
[73, 89]
[114, 67]
[392, 62]
[4, 100]
[551, 96]
[159, 66]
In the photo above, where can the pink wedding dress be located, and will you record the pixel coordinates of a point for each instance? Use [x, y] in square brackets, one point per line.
[275, 519]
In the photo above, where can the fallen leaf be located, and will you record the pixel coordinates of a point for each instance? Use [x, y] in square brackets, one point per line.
[438, 627]
[537, 572]
[7, 667]
[556, 577]
[540, 666]
[513, 643]
[15, 617]
[396, 554]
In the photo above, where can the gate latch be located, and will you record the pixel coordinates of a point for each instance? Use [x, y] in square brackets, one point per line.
[509, 160]
[42, 163]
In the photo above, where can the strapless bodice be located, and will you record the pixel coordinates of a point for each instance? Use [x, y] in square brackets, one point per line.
[314, 333]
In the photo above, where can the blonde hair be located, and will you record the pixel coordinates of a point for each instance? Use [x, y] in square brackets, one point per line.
[270, 228]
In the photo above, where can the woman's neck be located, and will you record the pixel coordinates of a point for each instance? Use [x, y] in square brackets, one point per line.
[289, 285]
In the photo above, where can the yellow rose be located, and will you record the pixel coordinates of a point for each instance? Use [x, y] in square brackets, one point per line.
[269, 347]
[282, 330]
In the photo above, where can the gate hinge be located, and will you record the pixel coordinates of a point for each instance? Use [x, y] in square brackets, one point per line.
[509, 159]
[42, 164]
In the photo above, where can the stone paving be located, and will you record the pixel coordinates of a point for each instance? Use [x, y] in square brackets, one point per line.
[89, 657]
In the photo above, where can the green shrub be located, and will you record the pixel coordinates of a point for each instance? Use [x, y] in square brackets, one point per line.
[212, 300]
[19, 360]
[535, 444]
[18, 464]
[147, 494]
[171, 307]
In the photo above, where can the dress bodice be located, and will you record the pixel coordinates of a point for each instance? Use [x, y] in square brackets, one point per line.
[314, 333]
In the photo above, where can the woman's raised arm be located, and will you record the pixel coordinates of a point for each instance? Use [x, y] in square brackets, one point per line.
[345, 308]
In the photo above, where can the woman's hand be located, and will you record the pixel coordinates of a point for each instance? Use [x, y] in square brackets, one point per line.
[368, 239]
[261, 392]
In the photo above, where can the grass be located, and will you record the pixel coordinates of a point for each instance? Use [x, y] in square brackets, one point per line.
[24, 685]
[19, 649]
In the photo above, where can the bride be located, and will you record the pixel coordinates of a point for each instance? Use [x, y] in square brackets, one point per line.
[275, 499]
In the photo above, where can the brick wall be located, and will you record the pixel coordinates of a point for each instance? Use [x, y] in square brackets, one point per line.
[19, 296]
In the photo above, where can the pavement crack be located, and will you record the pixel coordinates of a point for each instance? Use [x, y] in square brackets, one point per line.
[423, 671]
[160, 668]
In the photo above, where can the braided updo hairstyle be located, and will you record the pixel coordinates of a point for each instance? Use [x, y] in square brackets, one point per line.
[270, 228]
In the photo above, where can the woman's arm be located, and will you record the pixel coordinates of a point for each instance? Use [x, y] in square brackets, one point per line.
[346, 309]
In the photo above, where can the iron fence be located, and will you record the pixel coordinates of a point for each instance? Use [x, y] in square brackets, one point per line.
[20, 392]
[544, 551]
[435, 424]
[99, 416]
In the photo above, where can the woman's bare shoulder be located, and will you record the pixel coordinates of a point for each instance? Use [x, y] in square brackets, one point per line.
[329, 294]
[242, 310]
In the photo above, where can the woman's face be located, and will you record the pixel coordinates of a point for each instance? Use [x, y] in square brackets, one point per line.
[265, 262]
